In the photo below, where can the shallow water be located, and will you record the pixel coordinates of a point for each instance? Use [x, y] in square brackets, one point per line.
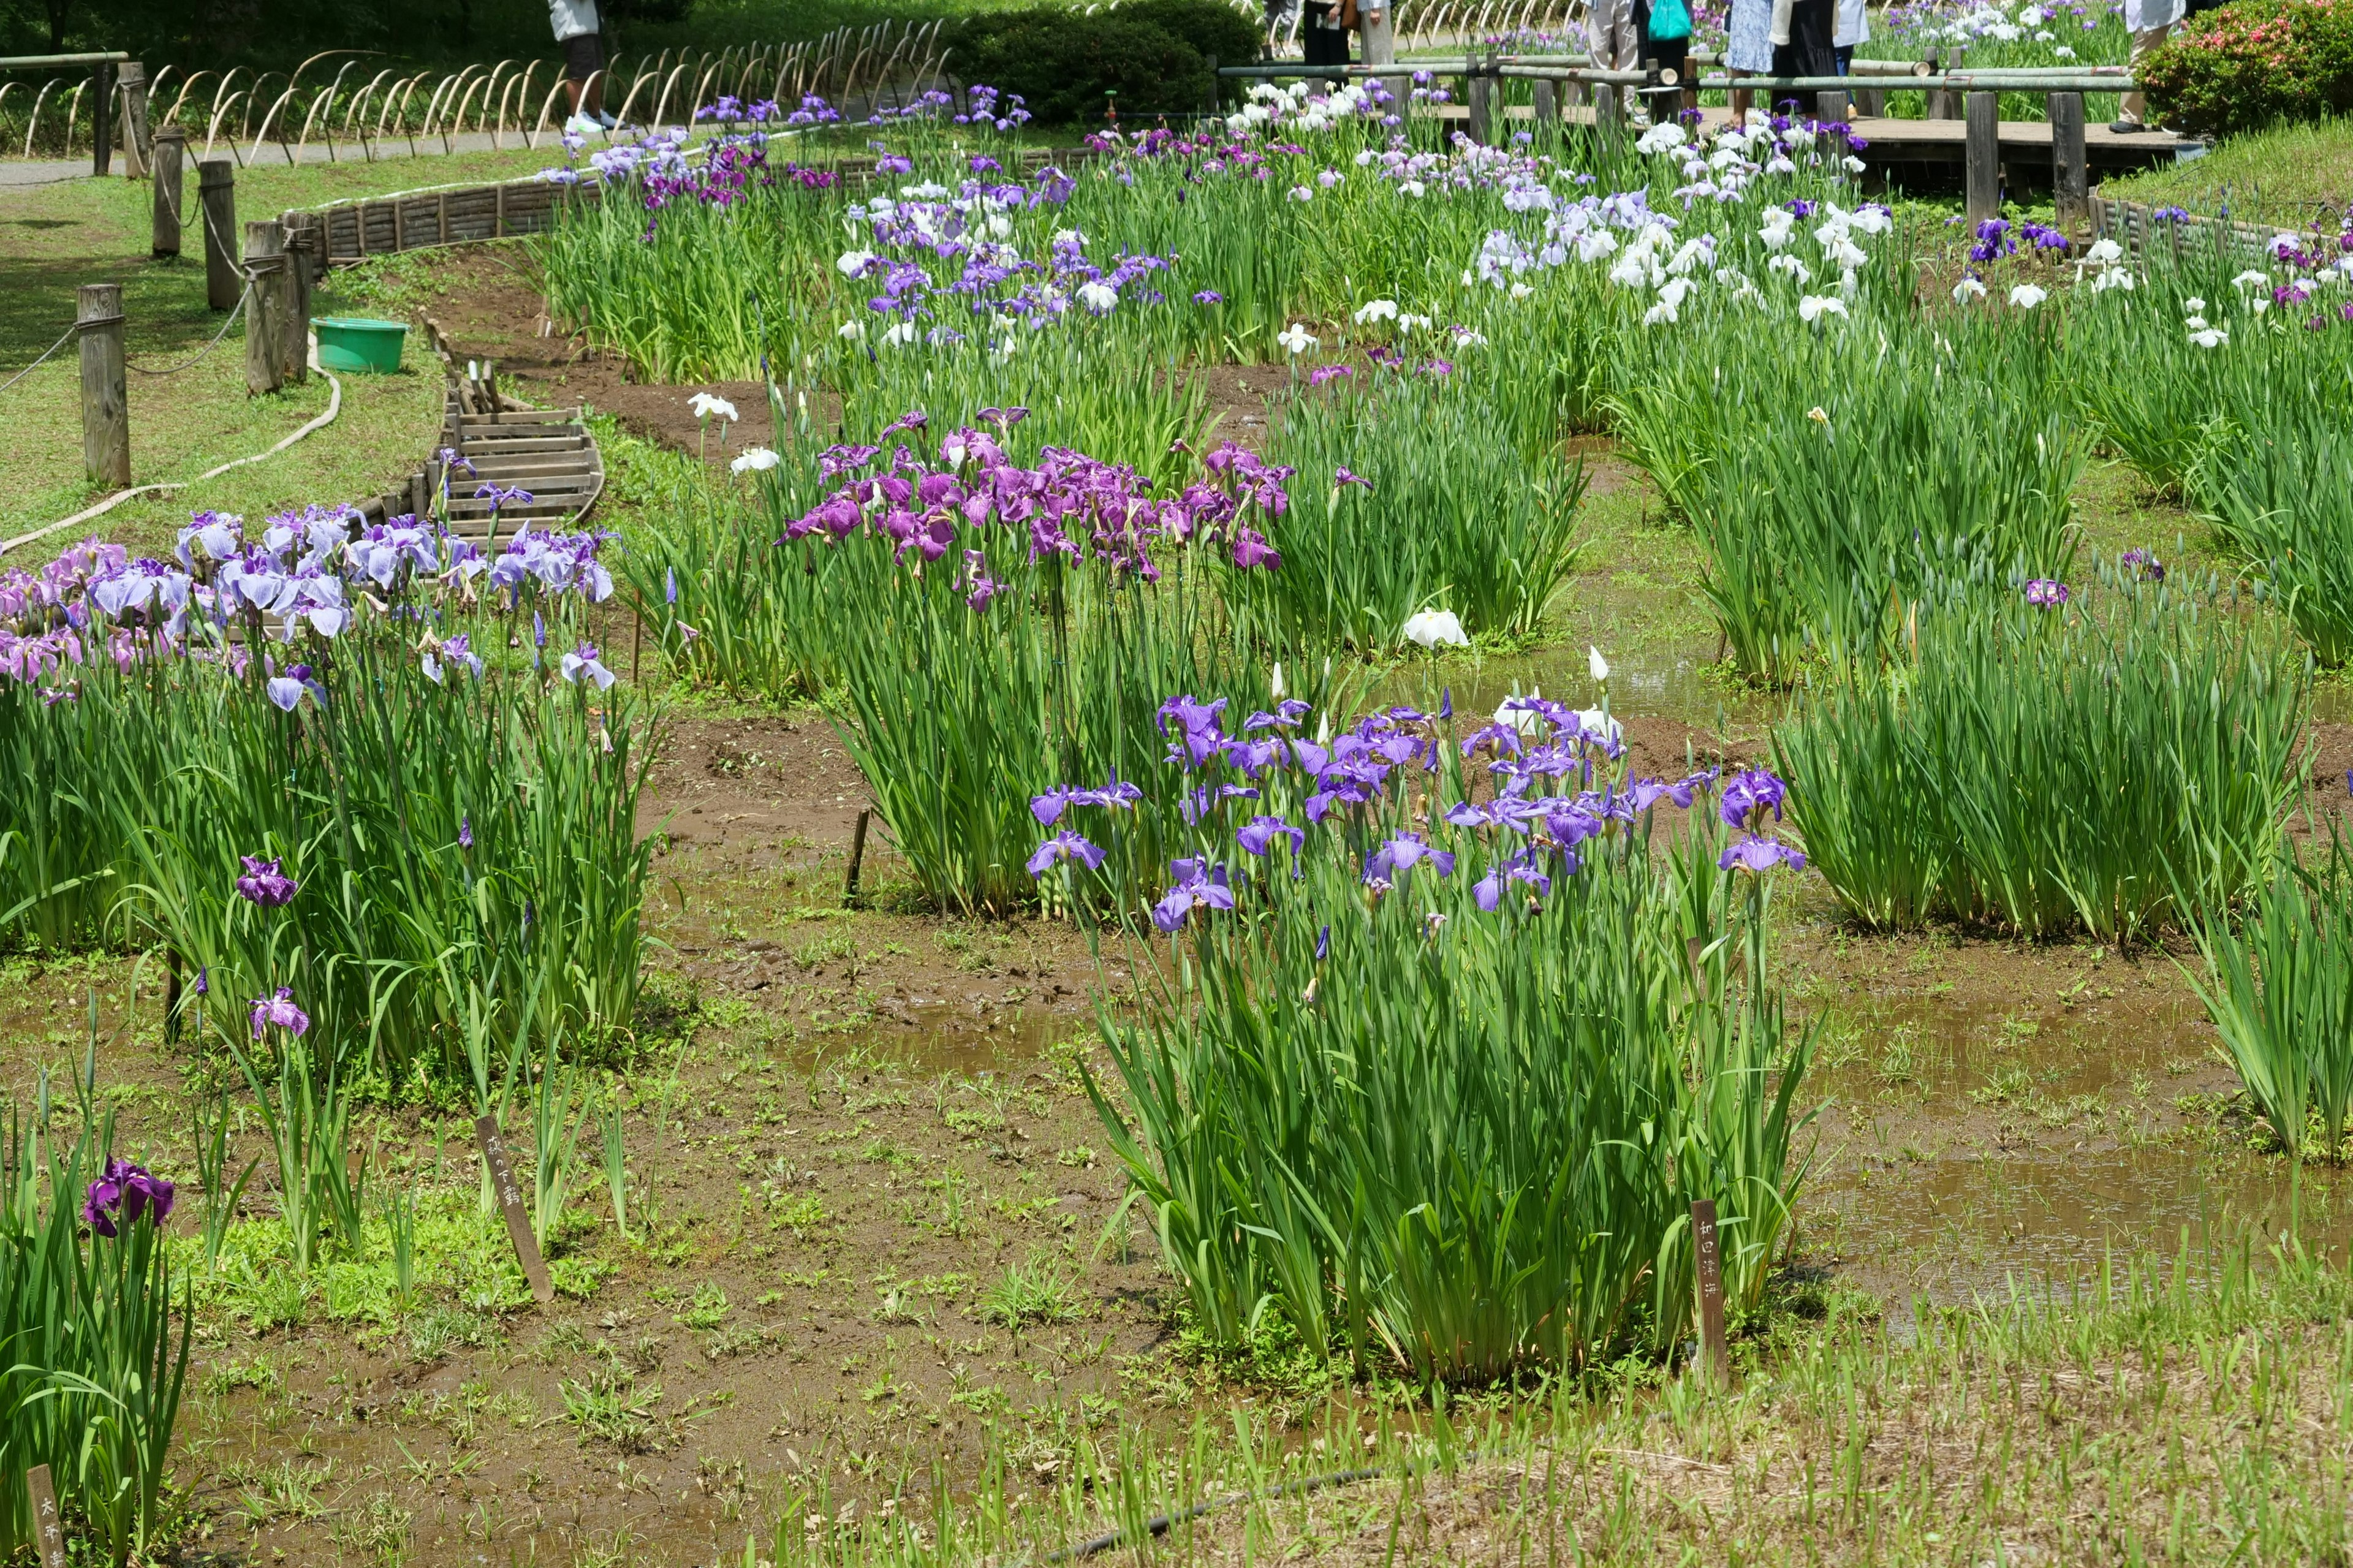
[1965, 1149]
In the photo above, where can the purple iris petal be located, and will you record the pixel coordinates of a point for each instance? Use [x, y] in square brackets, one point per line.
[1759, 854]
[1261, 832]
[264, 884]
[1064, 845]
[122, 1195]
[278, 1012]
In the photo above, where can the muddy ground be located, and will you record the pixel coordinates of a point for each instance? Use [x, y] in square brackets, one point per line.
[887, 1219]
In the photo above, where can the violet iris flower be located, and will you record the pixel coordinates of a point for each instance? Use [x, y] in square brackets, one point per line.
[1064, 845]
[1748, 795]
[264, 884]
[582, 660]
[466, 832]
[1758, 855]
[123, 1195]
[2044, 592]
[1198, 884]
[1340, 475]
[1401, 854]
[278, 1012]
[1261, 832]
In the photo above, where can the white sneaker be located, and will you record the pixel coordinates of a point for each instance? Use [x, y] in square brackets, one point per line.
[581, 125]
[607, 121]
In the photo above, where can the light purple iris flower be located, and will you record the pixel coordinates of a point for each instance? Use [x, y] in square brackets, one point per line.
[1401, 854]
[1759, 854]
[1748, 795]
[1064, 845]
[583, 661]
[278, 1012]
[1259, 833]
[1198, 885]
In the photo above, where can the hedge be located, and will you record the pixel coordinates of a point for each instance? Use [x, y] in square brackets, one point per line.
[2251, 64]
[1154, 54]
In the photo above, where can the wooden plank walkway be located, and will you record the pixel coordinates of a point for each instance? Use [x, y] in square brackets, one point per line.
[1890, 141]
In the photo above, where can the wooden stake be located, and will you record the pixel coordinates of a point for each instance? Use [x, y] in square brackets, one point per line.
[105, 400]
[266, 311]
[306, 257]
[133, 79]
[509, 1193]
[171, 144]
[1707, 1258]
[2070, 189]
[101, 118]
[1984, 167]
[48, 1530]
[216, 196]
[857, 858]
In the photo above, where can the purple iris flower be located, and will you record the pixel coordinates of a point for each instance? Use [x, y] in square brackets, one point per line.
[286, 691]
[2144, 564]
[264, 884]
[1759, 854]
[1748, 795]
[1064, 845]
[2044, 592]
[1324, 944]
[278, 1012]
[1261, 832]
[1340, 475]
[122, 1195]
[203, 980]
[466, 832]
[1198, 884]
[1285, 715]
[1208, 297]
[1048, 808]
[1401, 854]
[582, 660]
[1488, 891]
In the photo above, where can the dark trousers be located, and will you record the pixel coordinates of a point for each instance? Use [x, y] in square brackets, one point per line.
[1809, 51]
[1325, 45]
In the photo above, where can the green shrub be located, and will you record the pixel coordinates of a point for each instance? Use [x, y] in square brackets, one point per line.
[1064, 64]
[2254, 63]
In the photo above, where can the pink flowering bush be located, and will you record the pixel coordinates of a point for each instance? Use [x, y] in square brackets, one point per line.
[2254, 63]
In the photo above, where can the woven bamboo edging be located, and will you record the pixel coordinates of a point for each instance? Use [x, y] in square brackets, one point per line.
[2134, 226]
[385, 226]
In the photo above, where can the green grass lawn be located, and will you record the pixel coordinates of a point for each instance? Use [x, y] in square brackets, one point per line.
[57, 237]
[2290, 176]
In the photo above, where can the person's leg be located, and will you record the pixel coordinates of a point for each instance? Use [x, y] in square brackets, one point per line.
[2132, 114]
[579, 64]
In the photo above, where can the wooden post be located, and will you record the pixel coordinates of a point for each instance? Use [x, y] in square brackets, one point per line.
[101, 118]
[1483, 106]
[1984, 168]
[135, 157]
[105, 400]
[265, 241]
[306, 256]
[1830, 108]
[1941, 105]
[265, 307]
[171, 143]
[509, 1196]
[1707, 1278]
[1608, 113]
[217, 195]
[1548, 106]
[2071, 186]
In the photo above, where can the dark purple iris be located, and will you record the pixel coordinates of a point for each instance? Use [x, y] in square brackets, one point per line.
[264, 884]
[124, 1194]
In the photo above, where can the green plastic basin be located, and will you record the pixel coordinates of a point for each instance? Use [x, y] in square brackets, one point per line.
[358, 345]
